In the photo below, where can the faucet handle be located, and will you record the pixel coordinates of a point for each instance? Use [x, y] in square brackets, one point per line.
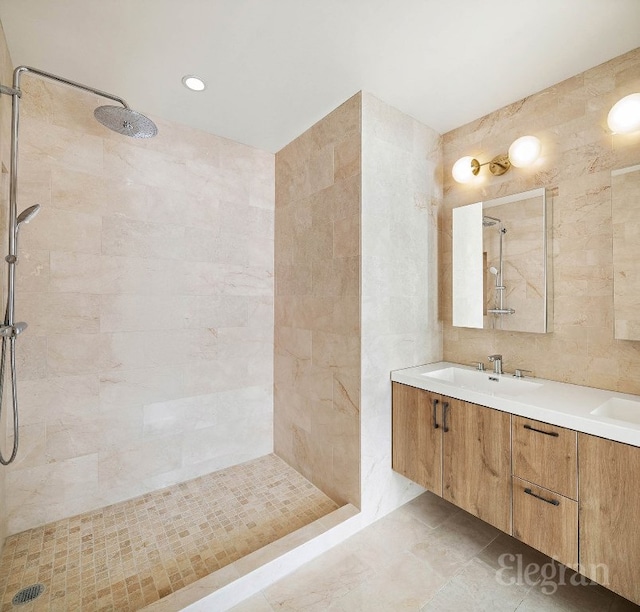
[479, 365]
[494, 357]
[519, 373]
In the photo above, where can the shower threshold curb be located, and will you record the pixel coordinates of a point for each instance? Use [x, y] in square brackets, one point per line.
[237, 581]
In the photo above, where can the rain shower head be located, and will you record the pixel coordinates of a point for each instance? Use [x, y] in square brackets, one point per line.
[125, 121]
[488, 221]
[27, 214]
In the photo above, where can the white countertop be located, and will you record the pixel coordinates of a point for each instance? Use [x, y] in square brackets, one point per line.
[552, 402]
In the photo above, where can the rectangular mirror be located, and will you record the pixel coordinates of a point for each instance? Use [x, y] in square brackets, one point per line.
[625, 214]
[500, 267]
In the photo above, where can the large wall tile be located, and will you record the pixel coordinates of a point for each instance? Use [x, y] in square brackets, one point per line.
[60, 397]
[33, 273]
[62, 480]
[59, 313]
[140, 386]
[62, 230]
[134, 238]
[121, 313]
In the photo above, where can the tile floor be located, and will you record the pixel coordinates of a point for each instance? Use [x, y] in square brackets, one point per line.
[431, 556]
[130, 554]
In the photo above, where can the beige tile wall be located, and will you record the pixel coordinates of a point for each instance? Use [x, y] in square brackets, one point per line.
[147, 282]
[6, 69]
[317, 303]
[578, 154]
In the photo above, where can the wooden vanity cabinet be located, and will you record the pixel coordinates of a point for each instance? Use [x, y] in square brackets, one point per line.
[575, 496]
[458, 450]
[416, 436]
[610, 514]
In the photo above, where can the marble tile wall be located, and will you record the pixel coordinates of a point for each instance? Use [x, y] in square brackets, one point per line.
[578, 154]
[147, 282]
[6, 69]
[317, 303]
[401, 196]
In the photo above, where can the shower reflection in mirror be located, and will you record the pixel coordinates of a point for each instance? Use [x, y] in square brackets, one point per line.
[499, 308]
[500, 278]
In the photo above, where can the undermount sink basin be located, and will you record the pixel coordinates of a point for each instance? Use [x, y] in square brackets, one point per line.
[483, 382]
[620, 410]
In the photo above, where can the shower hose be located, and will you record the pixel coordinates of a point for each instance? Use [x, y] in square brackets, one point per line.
[12, 356]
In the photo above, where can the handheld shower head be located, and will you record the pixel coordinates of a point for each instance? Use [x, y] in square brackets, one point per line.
[27, 214]
[125, 121]
[493, 271]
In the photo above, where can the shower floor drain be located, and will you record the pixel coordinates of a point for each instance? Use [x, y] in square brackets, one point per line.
[28, 594]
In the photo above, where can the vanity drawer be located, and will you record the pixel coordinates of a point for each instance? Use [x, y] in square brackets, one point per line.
[546, 455]
[546, 521]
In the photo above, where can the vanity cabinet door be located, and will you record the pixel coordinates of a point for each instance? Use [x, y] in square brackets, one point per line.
[609, 514]
[417, 438]
[477, 461]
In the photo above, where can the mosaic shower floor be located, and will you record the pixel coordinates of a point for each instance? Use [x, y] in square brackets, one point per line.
[128, 555]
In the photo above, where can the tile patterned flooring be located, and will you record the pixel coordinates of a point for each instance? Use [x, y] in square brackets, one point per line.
[128, 555]
[430, 556]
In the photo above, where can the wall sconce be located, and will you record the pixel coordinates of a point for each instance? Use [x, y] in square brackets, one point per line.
[624, 116]
[523, 152]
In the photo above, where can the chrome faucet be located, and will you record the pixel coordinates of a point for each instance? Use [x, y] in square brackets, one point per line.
[497, 363]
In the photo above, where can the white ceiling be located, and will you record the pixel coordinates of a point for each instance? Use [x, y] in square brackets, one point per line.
[274, 67]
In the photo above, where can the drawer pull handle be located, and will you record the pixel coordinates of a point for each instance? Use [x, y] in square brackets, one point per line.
[445, 414]
[553, 502]
[555, 434]
[435, 418]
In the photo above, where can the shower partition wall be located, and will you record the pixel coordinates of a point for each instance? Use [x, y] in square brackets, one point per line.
[147, 282]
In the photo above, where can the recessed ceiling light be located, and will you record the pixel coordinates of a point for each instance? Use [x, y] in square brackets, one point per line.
[193, 82]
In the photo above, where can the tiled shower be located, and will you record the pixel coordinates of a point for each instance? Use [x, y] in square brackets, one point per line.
[148, 286]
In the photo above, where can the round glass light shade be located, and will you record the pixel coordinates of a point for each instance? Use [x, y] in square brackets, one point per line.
[193, 82]
[524, 151]
[624, 116]
[462, 170]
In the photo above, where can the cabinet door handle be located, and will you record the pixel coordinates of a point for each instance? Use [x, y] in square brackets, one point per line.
[445, 415]
[555, 434]
[435, 417]
[553, 502]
